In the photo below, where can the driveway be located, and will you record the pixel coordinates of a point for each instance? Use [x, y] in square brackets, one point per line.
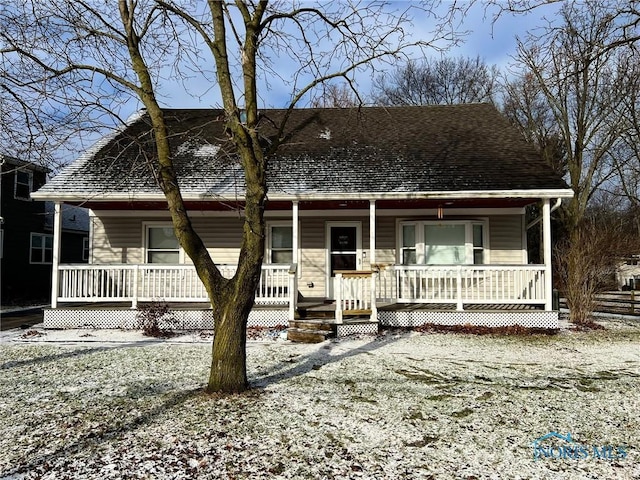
[21, 318]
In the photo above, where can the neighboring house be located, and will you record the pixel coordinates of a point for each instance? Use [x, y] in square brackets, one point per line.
[405, 215]
[26, 236]
[628, 273]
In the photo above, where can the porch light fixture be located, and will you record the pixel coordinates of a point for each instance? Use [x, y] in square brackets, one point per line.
[440, 213]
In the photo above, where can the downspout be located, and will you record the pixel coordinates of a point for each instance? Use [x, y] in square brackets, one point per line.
[539, 219]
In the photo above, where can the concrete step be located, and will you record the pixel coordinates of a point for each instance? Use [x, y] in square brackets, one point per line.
[311, 324]
[315, 314]
[303, 335]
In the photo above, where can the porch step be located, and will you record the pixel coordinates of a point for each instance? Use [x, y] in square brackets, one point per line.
[303, 335]
[315, 324]
[316, 330]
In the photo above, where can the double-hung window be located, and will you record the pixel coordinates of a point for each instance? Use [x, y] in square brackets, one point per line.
[162, 244]
[41, 249]
[442, 243]
[280, 243]
[23, 185]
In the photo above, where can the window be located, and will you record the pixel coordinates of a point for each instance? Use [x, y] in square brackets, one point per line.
[409, 245]
[85, 249]
[281, 244]
[442, 243]
[162, 245]
[41, 251]
[24, 185]
[478, 244]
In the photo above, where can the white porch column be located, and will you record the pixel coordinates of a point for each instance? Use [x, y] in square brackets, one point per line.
[295, 233]
[372, 232]
[55, 262]
[293, 272]
[372, 258]
[546, 247]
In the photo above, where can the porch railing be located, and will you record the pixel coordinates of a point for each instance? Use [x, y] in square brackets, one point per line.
[355, 292]
[461, 284]
[172, 283]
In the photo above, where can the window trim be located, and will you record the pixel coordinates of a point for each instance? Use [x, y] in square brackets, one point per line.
[42, 249]
[269, 244]
[16, 183]
[145, 242]
[86, 249]
[420, 223]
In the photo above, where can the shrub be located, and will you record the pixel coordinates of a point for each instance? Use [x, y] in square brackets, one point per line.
[156, 320]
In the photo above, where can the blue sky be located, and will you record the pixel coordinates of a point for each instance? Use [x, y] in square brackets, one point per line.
[494, 42]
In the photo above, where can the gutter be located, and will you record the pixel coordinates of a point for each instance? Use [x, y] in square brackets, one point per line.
[539, 219]
[450, 195]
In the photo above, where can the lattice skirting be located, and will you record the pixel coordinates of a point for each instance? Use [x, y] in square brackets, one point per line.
[126, 319]
[356, 328]
[533, 319]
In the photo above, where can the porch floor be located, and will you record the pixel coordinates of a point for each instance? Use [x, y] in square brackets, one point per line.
[316, 306]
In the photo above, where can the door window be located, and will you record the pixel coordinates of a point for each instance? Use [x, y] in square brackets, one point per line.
[344, 248]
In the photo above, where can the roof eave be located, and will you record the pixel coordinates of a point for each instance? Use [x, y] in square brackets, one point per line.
[462, 194]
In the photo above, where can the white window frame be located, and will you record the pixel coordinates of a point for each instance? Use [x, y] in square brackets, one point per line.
[145, 241]
[420, 240]
[269, 244]
[86, 246]
[42, 248]
[16, 183]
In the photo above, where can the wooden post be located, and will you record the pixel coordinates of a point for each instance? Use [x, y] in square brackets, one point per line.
[372, 258]
[295, 233]
[55, 262]
[293, 292]
[134, 293]
[459, 305]
[546, 240]
[338, 295]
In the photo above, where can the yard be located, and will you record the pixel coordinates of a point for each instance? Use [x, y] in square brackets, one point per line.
[400, 405]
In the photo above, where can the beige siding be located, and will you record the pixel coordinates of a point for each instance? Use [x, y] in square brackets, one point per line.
[222, 236]
[506, 239]
[386, 240]
[116, 240]
[121, 240]
[312, 257]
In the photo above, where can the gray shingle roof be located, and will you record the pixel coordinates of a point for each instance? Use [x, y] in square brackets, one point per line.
[445, 148]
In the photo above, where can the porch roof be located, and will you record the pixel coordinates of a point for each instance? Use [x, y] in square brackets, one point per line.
[429, 152]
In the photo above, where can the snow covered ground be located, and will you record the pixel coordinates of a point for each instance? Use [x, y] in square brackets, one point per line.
[109, 404]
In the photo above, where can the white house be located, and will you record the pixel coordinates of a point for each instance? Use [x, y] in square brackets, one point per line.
[406, 215]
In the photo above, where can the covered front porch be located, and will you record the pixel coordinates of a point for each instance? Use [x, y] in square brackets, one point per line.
[480, 294]
[395, 295]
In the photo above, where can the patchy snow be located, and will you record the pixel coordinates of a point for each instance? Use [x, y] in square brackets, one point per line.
[325, 134]
[207, 150]
[400, 405]
[192, 147]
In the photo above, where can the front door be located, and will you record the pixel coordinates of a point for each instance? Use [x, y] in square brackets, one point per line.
[344, 250]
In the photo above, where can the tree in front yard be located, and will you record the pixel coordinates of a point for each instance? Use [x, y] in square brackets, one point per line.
[85, 56]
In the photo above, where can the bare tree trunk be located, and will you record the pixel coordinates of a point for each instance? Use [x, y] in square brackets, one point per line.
[228, 359]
